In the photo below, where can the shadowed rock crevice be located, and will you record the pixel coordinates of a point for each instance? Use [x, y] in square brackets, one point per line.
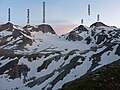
[118, 50]
[46, 63]
[8, 66]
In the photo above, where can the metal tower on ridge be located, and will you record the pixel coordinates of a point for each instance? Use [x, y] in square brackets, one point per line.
[43, 12]
[81, 21]
[88, 9]
[8, 14]
[98, 17]
[28, 16]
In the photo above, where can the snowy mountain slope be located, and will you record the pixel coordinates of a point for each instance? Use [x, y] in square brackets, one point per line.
[104, 78]
[50, 61]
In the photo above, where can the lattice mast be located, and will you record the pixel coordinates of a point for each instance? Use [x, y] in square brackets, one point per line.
[89, 10]
[82, 21]
[28, 16]
[98, 17]
[8, 14]
[43, 12]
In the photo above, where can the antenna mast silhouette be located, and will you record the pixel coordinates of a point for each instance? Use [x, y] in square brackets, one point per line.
[98, 17]
[28, 16]
[89, 9]
[43, 12]
[8, 14]
[81, 21]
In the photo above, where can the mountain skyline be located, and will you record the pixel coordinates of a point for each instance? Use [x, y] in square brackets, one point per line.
[63, 16]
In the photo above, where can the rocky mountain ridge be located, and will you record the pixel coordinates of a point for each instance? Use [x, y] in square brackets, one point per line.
[37, 58]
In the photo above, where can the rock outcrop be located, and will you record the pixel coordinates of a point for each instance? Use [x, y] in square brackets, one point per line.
[45, 28]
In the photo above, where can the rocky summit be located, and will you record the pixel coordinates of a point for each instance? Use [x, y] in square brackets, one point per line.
[36, 58]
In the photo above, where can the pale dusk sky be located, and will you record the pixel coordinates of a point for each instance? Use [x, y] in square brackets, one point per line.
[62, 15]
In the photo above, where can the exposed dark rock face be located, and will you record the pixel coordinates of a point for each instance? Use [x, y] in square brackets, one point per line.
[30, 28]
[8, 66]
[98, 24]
[118, 50]
[88, 40]
[8, 26]
[81, 28]
[6, 52]
[47, 62]
[45, 28]
[14, 32]
[71, 53]
[18, 71]
[74, 37]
